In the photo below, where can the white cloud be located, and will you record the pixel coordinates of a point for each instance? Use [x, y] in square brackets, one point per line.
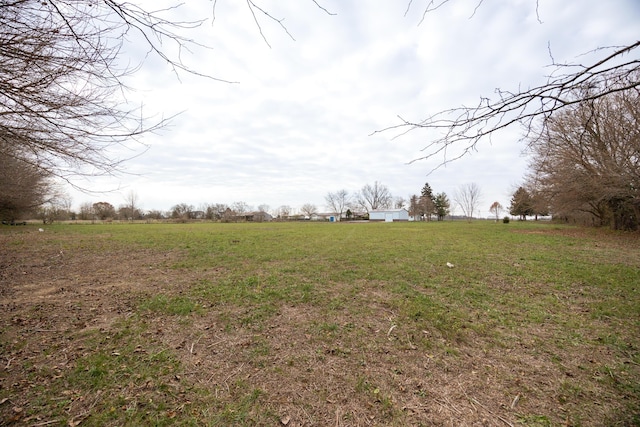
[299, 122]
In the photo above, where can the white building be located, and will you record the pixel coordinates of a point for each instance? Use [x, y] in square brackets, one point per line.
[389, 215]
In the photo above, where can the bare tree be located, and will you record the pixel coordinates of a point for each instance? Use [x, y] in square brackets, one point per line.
[57, 207]
[468, 196]
[23, 187]
[61, 83]
[496, 209]
[131, 210]
[220, 209]
[208, 211]
[154, 214]
[337, 202]
[66, 202]
[86, 211]
[587, 162]
[414, 207]
[215, 211]
[614, 69]
[427, 207]
[284, 211]
[104, 210]
[308, 209]
[182, 211]
[240, 208]
[376, 196]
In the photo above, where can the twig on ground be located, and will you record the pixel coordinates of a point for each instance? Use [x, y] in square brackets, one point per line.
[235, 372]
[495, 415]
[448, 405]
[473, 400]
[46, 423]
[215, 343]
[390, 330]
[515, 401]
[194, 343]
[411, 345]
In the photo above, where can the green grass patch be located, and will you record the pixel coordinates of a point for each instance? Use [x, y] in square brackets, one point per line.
[180, 305]
[333, 315]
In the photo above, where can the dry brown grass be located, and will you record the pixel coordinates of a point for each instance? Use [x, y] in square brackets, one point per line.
[351, 354]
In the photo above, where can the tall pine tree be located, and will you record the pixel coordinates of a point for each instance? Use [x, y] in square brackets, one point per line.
[521, 204]
[427, 202]
[443, 205]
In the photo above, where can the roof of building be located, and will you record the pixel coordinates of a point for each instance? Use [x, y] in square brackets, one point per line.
[389, 210]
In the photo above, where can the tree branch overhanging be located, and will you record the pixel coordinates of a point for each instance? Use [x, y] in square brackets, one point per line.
[63, 92]
[463, 128]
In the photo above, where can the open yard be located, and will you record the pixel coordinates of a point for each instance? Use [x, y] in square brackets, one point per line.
[319, 324]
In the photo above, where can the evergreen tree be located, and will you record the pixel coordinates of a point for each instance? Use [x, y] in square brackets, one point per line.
[521, 204]
[427, 191]
[443, 206]
[427, 202]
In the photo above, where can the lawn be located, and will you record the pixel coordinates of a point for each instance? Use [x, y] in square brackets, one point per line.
[340, 324]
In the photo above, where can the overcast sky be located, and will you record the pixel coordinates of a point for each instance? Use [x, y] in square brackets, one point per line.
[299, 121]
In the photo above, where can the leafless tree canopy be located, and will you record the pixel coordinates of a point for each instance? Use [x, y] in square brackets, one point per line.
[22, 188]
[283, 211]
[496, 209]
[376, 196]
[308, 209]
[468, 196]
[103, 210]
[337, 201]
[240, 207]
[587, 159]
[62, 92]
[131, 208]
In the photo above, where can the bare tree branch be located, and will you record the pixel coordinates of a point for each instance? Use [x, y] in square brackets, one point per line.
[587, 160]
[461, 129]
[63, 96]
[464, 127]
[323, 8]
[253, 7]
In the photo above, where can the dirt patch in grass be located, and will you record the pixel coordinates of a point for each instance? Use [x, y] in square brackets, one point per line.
[104, 334]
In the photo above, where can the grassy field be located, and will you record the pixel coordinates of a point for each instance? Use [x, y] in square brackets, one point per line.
[348, 324]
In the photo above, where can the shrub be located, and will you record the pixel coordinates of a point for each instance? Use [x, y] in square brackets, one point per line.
[505, 220]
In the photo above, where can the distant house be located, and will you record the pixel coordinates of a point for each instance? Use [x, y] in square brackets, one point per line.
[389, 215]
[257, 216]
[322, 216]
[197, 215]
[334, 216]
[248, 217]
